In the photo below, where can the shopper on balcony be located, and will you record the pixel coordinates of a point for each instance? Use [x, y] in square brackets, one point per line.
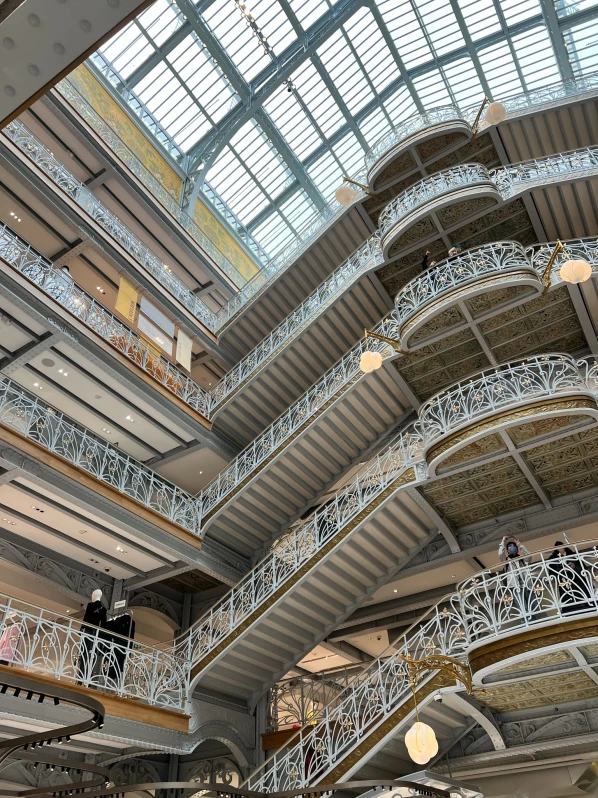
[425, 264]
[456, 250]
[516, 557]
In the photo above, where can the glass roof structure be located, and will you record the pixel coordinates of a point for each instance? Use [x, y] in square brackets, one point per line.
[268, 103]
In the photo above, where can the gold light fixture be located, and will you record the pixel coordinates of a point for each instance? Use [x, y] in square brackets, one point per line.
[370, 361]
[476, 124]
[421, 740]
[496, 113]
[576, 271]
[346, 195]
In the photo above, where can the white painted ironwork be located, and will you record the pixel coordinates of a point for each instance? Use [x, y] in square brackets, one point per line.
[364, 259]
[540, 171]
[573, 249]
[555, 93]
[297, 547]
[487, 606]
[87, 200]
[170, 201]
[297, 701]
[39, 422]
[514, 383]
[39, 641]
[62, 288]
[414, 124]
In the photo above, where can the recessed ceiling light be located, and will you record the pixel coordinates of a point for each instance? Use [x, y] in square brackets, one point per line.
[201, 472]
[395, 591]
[130, 418]
[63, 372]
[100, 289]
[37, 509]
[107, 431]
[122, 551]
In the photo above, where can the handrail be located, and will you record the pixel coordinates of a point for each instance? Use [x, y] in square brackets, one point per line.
[62, 288]
[36, 420]
[68, 649]
[481, 609]
[87, 200]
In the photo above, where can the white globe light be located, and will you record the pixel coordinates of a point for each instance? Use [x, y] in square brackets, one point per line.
[495, 113]
[346, 195]
[370, 361]
[576, 271]
[421, 743]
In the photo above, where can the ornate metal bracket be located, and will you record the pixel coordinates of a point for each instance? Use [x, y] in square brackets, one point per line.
[396, 345]
[476, 124]
[547, 273]
[437, 662]
[365, 189]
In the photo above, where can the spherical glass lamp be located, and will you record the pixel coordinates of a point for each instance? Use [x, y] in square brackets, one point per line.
[421, 743]
[370, 361]
[576, 271]
[495, 113]
[345, 195]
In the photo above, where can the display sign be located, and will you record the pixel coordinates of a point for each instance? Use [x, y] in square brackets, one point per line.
[184, 350]
[126, 301]
[155, 315]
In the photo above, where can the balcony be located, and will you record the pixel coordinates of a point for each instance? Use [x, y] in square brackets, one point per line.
[29, 423]
[55, 647]
[63, 290]
[554, 600]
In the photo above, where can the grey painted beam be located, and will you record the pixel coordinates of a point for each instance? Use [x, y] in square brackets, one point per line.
[27, 352]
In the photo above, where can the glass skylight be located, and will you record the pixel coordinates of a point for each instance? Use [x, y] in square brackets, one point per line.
[276, 100]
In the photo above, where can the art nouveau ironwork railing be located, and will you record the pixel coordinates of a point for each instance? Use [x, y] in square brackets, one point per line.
[511, 179]
[36, 640]
[512, 383]
[34, 419]
[154, 186]
[297, 701]
[367, 257]
[573, 249]
[413, 124]
[67, 293]
[495, 602]
[59, 174]
[297, 547]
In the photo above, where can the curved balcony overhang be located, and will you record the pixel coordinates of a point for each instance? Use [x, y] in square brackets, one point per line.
[452, 187]
[544, 385]
[421, 138]
[503, 266]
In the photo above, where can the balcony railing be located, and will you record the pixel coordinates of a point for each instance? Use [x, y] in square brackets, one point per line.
[297, 701]
[538, 171]
[61, 288]
[367, 257]
[298, 547]
[37, 421]
[485, 607]
[153, 185]
[513, 383]
[59, 174]
[64, 648]
[574, 249]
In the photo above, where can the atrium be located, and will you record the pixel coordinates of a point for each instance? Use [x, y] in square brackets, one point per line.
[299, 398]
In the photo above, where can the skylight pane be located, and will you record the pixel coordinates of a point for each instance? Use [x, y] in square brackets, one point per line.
[326, 174]
[299, 210]
[536, 57]
[480, 17]
[230, 27]
[273, 22]
[345, 72]
[400, 105]
[161, 20]
[318, 99]
[236, 186]
[373, 52]
[273, 234]
[464, 82]
[127, 50]
[254, 149]
[404, 27]
[374, 126]
[350, 153]
[441, 25]
[292, 121]
[500, 70]
[581, 42]
[308, 11]
[432, 89]
[566, 7]
[518, 10]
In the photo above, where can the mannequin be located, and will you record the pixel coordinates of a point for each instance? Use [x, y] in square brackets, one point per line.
[91, 645]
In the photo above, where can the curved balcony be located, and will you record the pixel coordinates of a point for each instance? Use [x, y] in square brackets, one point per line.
[511, 386]
[377, 704]
[61, 288]
[65, 649]
[430, 134]
[36, 421]
[501, 266]
[108, 221]
[456, 186]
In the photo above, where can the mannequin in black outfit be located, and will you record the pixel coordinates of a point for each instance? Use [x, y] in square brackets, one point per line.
[95, 614]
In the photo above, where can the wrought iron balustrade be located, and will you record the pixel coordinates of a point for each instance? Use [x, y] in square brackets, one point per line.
[113, 141]
[508, 384]
[37, 640]
[297, 701]
[414, 124]
[538, 171]
[495, 602]
[469, 174]
[39, 422]
[61, 287]
[573, 249]
[570, 87]
[362, 260]
[59, 174]
[298, 546]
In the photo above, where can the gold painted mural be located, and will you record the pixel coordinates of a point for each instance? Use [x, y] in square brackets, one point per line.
[87, 85]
